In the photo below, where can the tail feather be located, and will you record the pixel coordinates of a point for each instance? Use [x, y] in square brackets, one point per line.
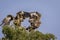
[1, 23]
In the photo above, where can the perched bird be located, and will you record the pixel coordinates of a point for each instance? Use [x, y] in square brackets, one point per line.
[21, 15]
[7, 20]
[34, 20]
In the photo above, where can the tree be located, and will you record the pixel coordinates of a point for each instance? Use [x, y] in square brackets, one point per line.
[20, 33]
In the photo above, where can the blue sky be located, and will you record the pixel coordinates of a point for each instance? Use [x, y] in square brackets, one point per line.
[50, 10]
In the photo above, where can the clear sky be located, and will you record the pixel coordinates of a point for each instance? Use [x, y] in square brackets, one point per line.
[50, 10]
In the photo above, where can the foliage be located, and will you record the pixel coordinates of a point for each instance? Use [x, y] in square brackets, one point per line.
[20, 33]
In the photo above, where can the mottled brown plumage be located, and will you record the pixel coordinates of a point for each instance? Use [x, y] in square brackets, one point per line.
[7, 20]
